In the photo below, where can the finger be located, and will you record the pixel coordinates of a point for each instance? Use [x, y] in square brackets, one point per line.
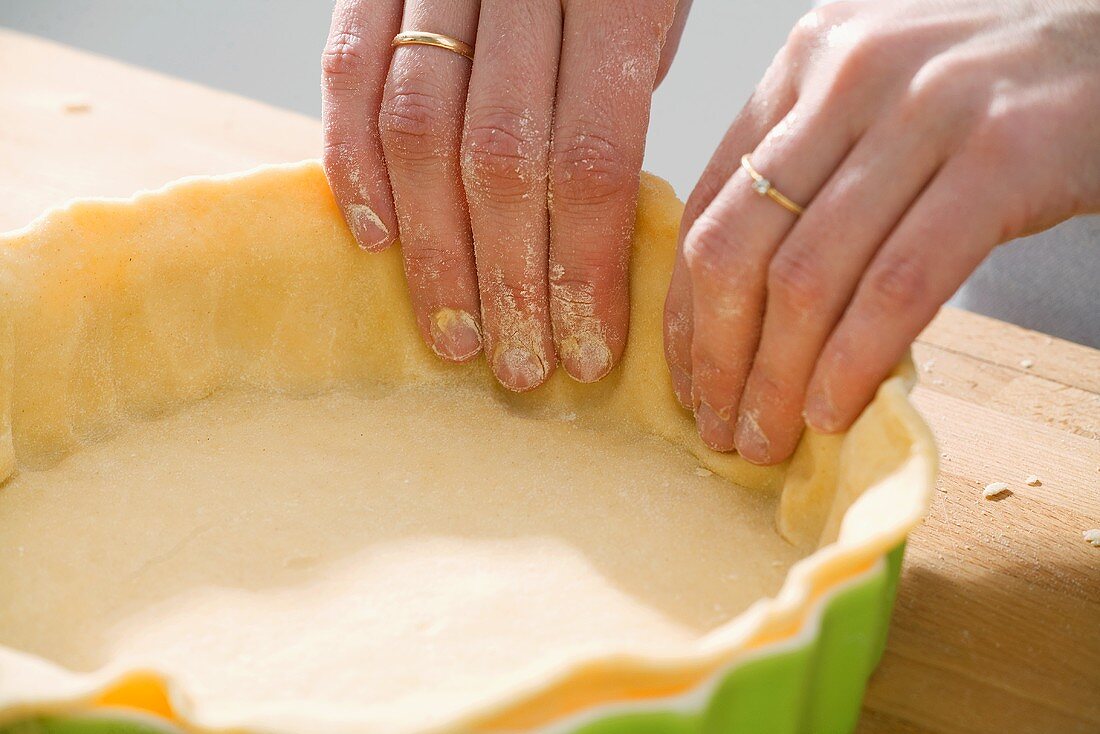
[775, 95]
[769, 104]
[672, 39]
[354, 66]
[678, 332]
[904, 286]
[727, 251]
[773, 98]
[421, 129]
[610, 53]
[814, 273]
[505, 155]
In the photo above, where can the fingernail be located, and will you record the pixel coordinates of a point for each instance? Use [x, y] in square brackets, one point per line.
[369, 231]
[681, 385]
[750, 439]
[713, 429]
[820, 413]
[518, 368]
[585, 358]
[455, 335]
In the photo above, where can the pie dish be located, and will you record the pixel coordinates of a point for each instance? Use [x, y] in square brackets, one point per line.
[243, 496]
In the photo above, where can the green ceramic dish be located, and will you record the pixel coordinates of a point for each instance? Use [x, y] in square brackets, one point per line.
[810, 684]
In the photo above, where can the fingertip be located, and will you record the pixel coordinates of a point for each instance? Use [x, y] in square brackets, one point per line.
[751, 441]
[517, 368]
[681, 385]
[715, 430]
[589, 316]
[586, 358]
[822, 414]
[370, 232]
[455, 335]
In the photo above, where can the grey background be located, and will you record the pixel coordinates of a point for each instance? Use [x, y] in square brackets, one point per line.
[270, 50]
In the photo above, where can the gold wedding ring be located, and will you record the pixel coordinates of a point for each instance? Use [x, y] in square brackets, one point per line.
[764, 187]
[423, 38]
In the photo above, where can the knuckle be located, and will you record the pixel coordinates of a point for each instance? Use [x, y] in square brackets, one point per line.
[807, 31]
[589, 169]
[705, 191]
[810, 30]
[930, 87]
[705, 247]
[509, 290]
[502, 156]
[427, 264]
[591, 277]
[896, 285]
[344, 60]
[597, 270]
[712, 251]
[721, 374]
[797, 281]
[412, 122]
[767, 383]
[773, 389]
[999, 132]
[593, 261]
[574, 298]
[862, 63]
[944, 88]
[846, 367]
[841, 10]
[1005, 136]
[862, 56]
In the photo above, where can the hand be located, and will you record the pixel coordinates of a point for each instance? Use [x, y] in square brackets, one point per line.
[918, 135]
[512, 179]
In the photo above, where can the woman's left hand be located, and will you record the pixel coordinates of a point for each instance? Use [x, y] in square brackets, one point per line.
[918, 135]
[510, 173]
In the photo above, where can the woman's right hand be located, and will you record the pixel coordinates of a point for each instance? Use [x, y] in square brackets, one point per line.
[918, 135]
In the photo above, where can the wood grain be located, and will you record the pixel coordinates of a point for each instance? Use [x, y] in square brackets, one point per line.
[75, 124]
[997, 626]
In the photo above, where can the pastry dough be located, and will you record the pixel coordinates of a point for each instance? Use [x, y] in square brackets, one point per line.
[391, 555]
[234, 463]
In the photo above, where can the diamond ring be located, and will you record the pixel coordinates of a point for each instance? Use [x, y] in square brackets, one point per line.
[764, 187]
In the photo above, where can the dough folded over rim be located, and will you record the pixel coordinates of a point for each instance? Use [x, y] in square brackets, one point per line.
[113, 311]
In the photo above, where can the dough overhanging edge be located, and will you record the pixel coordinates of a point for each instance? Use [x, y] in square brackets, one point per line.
[165, 283]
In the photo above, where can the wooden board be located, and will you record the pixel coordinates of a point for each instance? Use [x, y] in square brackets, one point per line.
[997, 627]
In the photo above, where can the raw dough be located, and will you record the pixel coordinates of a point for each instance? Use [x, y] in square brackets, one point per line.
[235, 463]
[433, 562]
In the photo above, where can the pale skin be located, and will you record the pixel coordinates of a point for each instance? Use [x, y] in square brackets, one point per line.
[918, 135]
